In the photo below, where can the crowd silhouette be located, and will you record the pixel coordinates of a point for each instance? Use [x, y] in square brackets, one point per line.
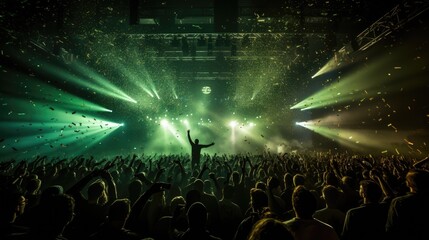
[307, 195]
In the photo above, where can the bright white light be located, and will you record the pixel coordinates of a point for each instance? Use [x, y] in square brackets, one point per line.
[164, 123]
[233, 124]
[122, 124]
[252, 124]
[302, 124]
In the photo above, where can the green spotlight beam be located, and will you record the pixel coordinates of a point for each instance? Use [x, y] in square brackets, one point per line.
[101, 81]
[41, 92]
[45, 126]
[57, 141]
[61, 73]
[28, 110]
[136, 77]
[43, 67]
[364, 140]
[368, 81]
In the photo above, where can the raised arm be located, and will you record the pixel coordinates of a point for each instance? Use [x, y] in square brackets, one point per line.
[189, 137]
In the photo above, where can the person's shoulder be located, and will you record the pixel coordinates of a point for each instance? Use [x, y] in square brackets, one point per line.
[403, 198]
[355, 210]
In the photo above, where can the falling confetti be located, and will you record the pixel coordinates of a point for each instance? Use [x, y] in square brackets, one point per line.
[408, 142]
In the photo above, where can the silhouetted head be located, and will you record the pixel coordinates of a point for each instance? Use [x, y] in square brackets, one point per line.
[258, 198]
[261, 185]
[370, 190]
[97, 192]
[304, 203]
[298, 180]
[197, 216]
[197, 141]
[199, 185]
[418, 180]
[331, 195]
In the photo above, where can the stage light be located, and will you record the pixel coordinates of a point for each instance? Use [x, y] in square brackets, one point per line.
[233, 124]
[186, 123]
[164, 123]
[302, 124]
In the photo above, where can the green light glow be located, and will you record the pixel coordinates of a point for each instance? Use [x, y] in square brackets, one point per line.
[138, 77]
[98, 83]
[362, 140]
[364, 83]
[55, 137]
[41, 127]
[108, 87]
[45, 94]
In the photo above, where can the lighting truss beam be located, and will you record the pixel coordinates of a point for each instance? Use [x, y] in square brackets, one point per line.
[393, 20]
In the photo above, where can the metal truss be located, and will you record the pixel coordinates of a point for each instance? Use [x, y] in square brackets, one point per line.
[391, 21]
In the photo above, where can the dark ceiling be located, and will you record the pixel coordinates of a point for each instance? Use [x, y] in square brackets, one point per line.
[207, 34]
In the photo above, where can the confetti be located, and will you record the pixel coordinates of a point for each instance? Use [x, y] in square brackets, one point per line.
[408, 142]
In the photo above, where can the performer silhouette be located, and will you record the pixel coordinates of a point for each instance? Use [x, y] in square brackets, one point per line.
[196, 151]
